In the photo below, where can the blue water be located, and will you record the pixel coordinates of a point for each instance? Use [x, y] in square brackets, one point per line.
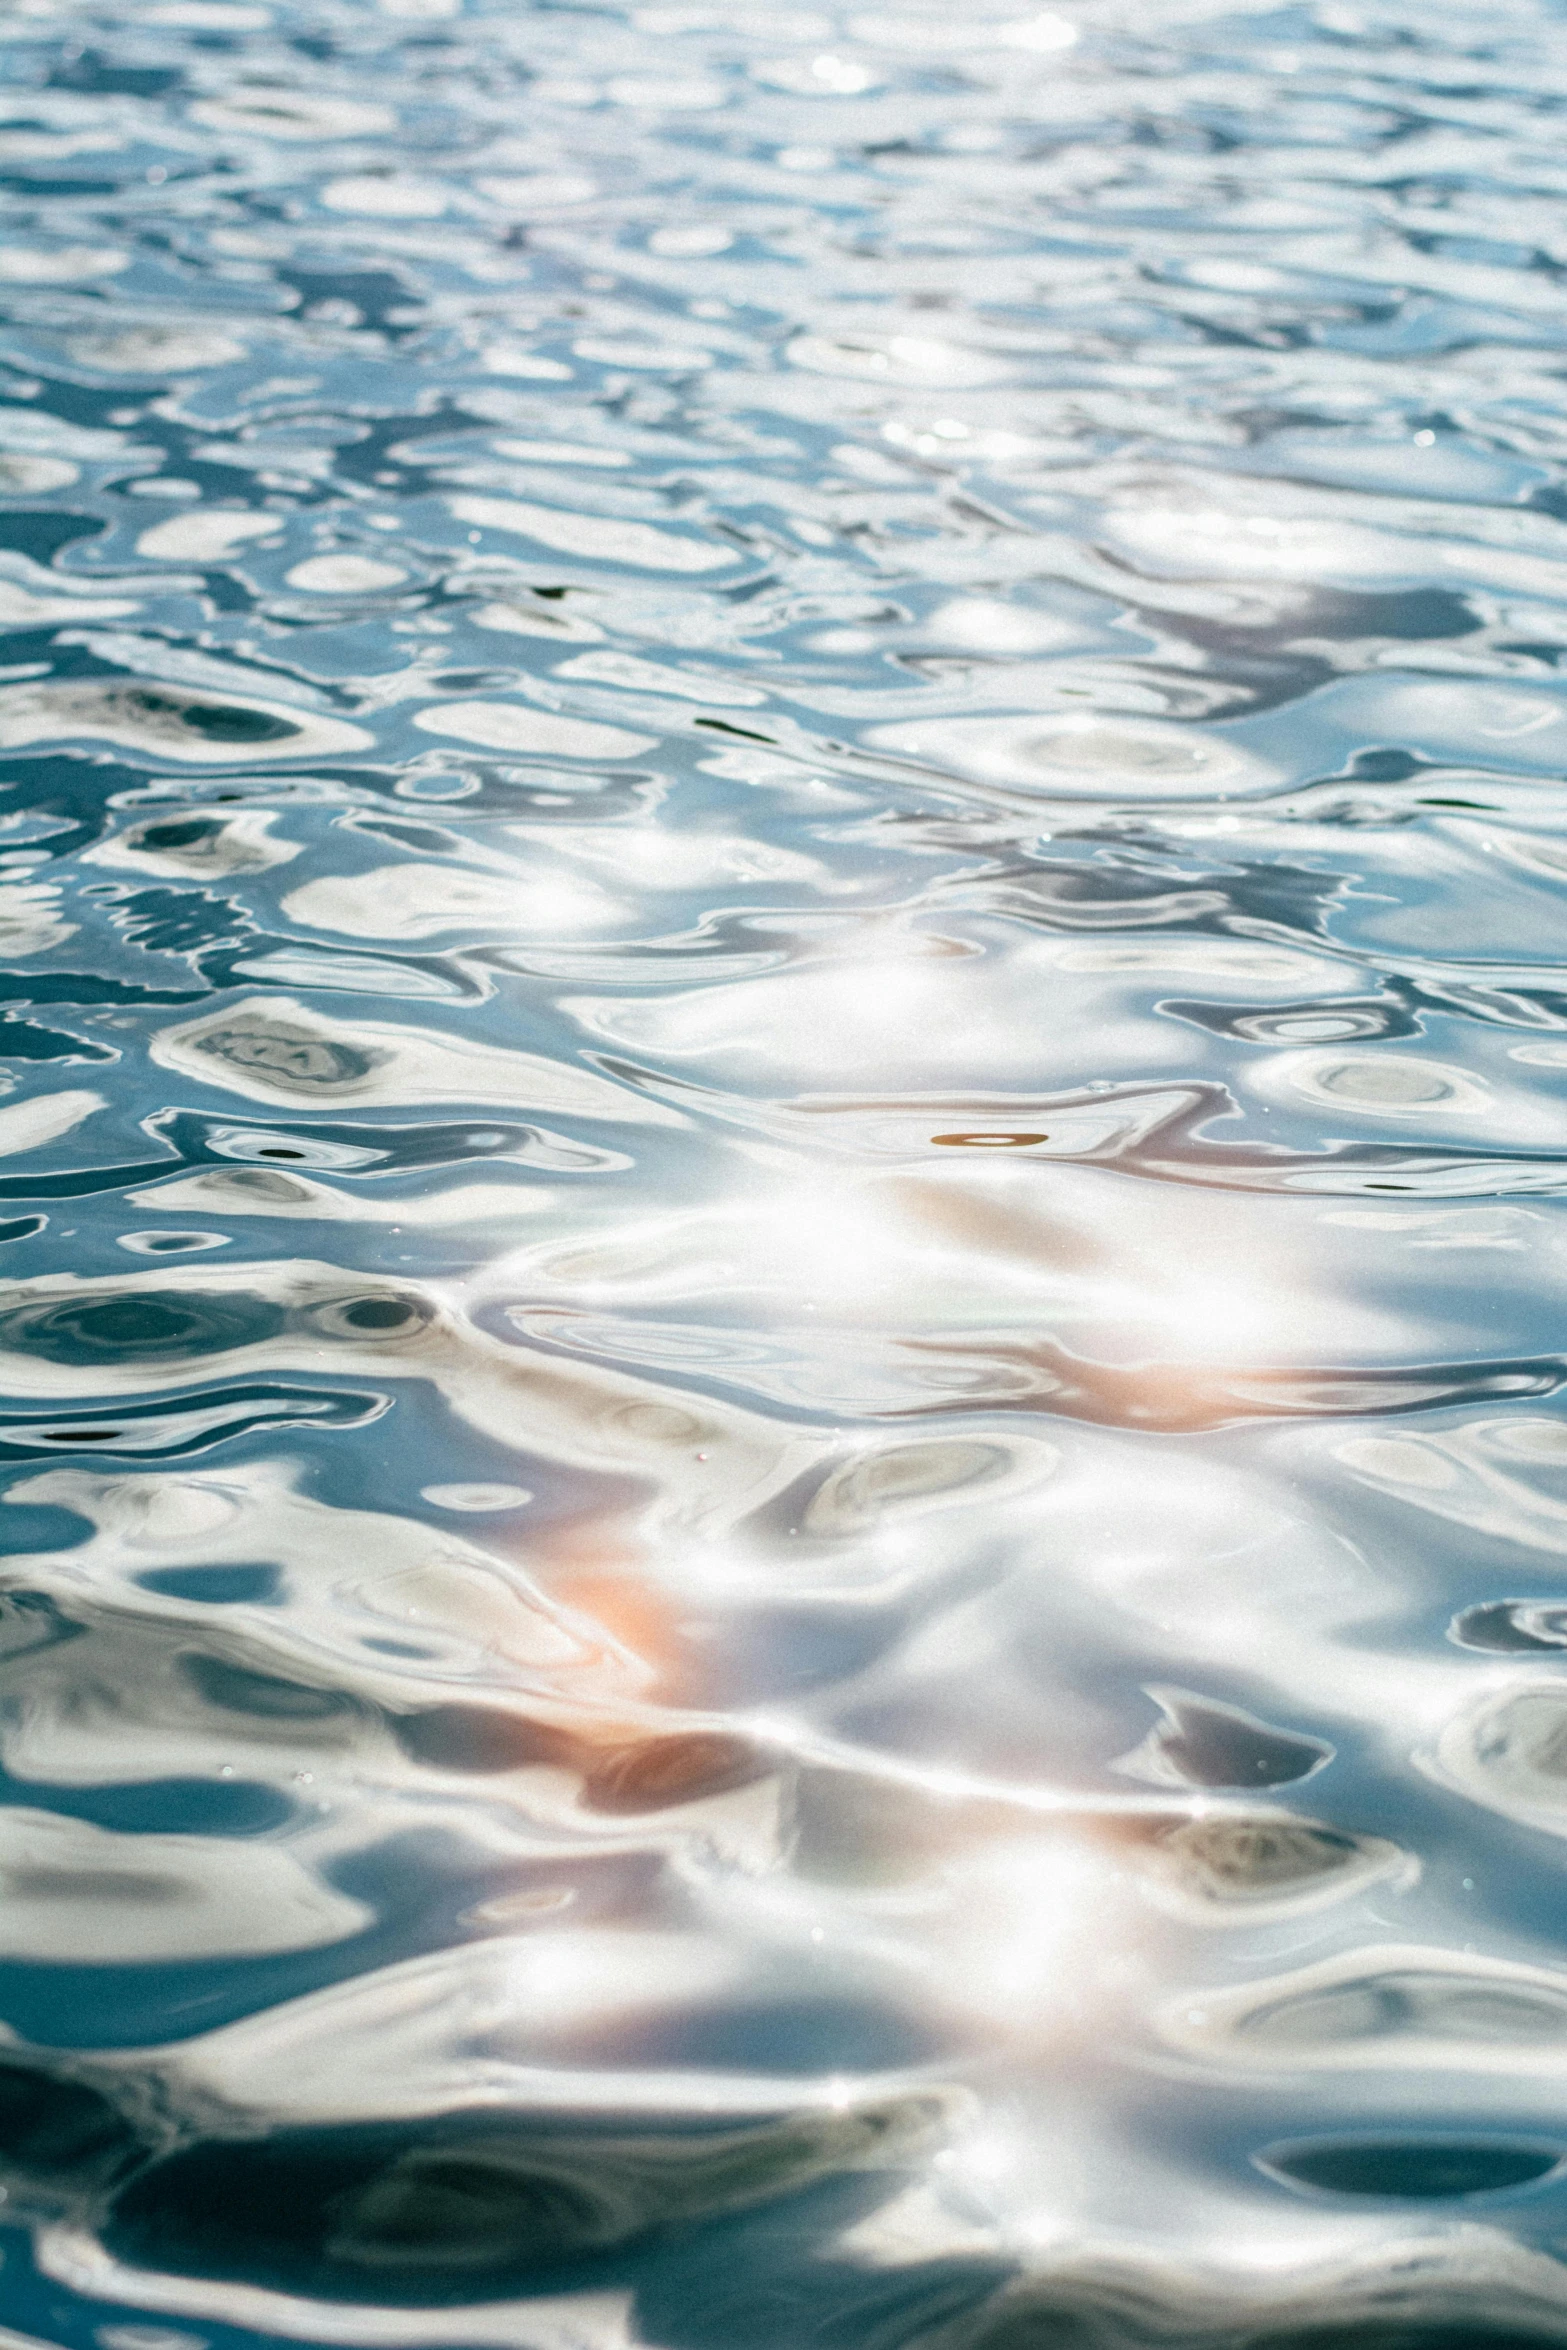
[783, 1294]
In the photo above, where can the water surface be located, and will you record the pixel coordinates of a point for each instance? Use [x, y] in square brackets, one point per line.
[782, 1268]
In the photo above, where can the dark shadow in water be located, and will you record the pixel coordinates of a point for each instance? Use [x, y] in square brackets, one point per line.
[473, 2208]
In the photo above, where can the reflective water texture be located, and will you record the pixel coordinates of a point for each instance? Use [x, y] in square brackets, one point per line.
[783, 1284]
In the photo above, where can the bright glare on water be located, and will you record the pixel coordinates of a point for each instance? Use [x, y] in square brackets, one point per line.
[783, 1294]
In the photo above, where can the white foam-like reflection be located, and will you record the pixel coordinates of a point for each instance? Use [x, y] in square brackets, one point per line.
[274, 1049]
[1100, 756]
[81, 1895]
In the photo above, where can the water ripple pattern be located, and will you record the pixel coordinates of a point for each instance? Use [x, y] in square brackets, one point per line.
[783, 1175]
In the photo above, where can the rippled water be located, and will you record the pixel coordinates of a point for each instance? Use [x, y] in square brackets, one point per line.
[782, 870]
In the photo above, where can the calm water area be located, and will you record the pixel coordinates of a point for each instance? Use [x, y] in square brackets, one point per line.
[783, 1175]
